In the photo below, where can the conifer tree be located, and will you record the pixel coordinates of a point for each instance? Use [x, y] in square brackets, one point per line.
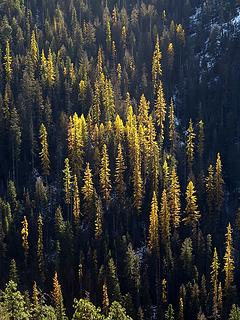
[105, 302]
[228, 259]
[174, 199]
[40, 248]
[105, 182]
[34, 48]
[192, 213]
[119, 173]
[24, 234]
[143, 110]
[218, 184]
[181, 309]
[170, 52]
[14, 304]
[44, 153]
[172, 127]
[98, 219]
[190, 145]
[200, 139]
[58, 299]
[76, 200]
[214, 282]
[153, 233]
[13, 272]
[210, 189]
[88, 188]
[137, 174]
[8, 62]
[67, 182]
[169, 314]
[76, 142]
[156, 65]
[35, 309]
[119, 129]
[113, 281]
[108, 101]
[160, 108]
[51, 75]
[165, 219]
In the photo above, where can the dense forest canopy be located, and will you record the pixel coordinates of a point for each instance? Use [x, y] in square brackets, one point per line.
[119, 171]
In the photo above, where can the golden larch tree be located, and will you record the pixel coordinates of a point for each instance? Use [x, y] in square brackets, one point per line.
[40, 248]
[58, 298]
[201, 138]
[119, 173]
[76, 200]
[98, 219]
[88, 188]
[105, 175]
[137, 174]
[156, 65]
[190, 146]
[51, 75]
[174, 199]
[34, 48]
[218, 183]
[214, 282]
[8, 62]
[210, 189]
[44, 153]
[153, 233]
[24, 234]
[143, 110]
[105, 302]
[165, 219]
[160, 108]
[172, 127]
[192, 212]
[228, 259]
[67, 179]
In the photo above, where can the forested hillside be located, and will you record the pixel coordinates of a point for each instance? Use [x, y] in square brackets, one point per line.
[119, 159]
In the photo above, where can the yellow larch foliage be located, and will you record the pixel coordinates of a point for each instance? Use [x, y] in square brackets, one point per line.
[44, 153]
[76, 200]
[34, 48]
[143, 110]
[51, 75]
[67, 178]
[160, 108]
[40, 248]
[156, 65]
[170, 52]
[75, 142]
[218, 183]
[8, 62]
[153, 233]
[214, 282]
[119, 173]
[137, 174]
[105, 179]
[174, 199]
[165, 218]
[228, 259]
[190, 144]
[88, 188]
[210, 189]
[98, 219]
[200, 146]
[172, 127]
[24, 234]
[192, 213]
[119, 129]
